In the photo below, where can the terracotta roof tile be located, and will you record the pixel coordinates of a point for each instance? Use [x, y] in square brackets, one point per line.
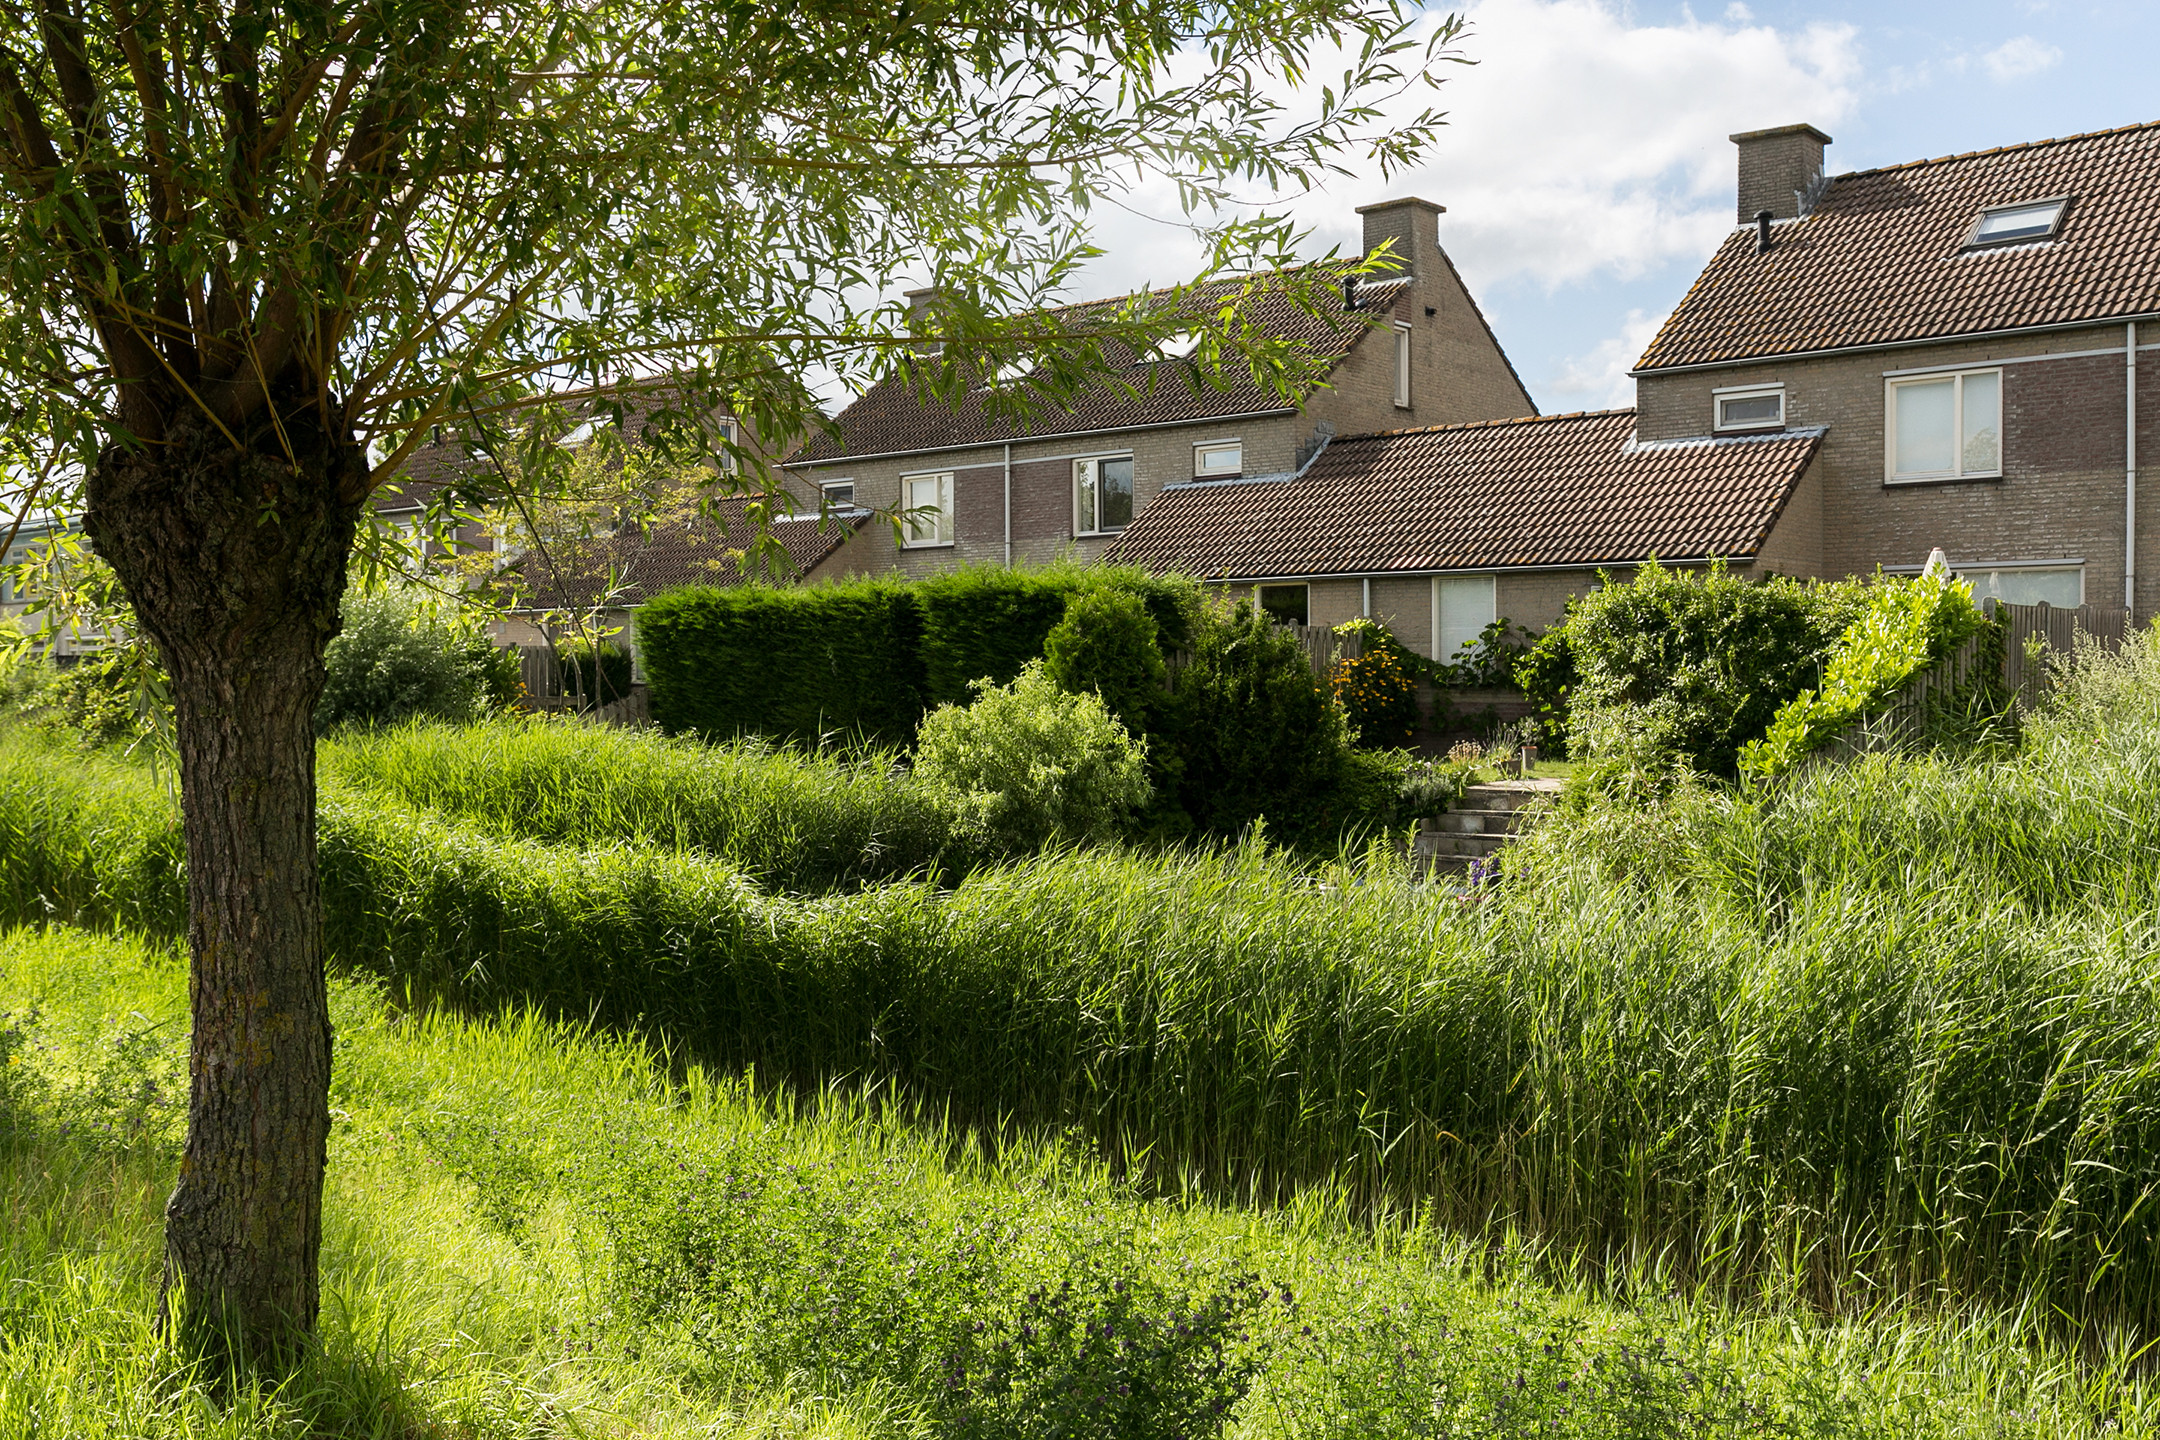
[891, 418]
[1552, 490]
[1881, 257]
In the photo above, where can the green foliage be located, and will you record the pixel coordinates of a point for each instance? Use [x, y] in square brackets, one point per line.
[538, 1228]
[865, 657]
[1377, 688]
[100, 700]
[598, 670]
[1709, 657]
[1488, 662]
[1107, 645]
[1257, 735]
[396, 659]
[795, 663]
[796, 822]
[1030, 764]
[1906, 626]
[1547, 675]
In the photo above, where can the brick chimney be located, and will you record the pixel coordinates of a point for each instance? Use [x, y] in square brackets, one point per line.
[1777, 167]
[1414, 226]
[923, 306]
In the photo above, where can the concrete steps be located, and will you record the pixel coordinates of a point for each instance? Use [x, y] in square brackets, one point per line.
[1480, 825]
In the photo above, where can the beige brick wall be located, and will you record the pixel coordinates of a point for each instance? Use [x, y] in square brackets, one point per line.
[2061, 492]
[1794, 546]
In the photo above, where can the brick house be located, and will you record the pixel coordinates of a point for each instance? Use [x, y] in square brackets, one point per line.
[996, 489]
[1965, 333]
[1942, 353]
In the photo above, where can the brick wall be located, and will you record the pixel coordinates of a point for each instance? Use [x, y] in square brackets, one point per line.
[2061, 492]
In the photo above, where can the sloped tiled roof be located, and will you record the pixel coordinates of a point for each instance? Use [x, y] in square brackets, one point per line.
[637, 566]
[892, 418]
[1552, 490]
[1880, 258]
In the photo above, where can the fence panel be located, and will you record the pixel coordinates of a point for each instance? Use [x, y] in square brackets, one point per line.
[2057, 629]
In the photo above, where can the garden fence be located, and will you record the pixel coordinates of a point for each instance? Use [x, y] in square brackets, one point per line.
[2056, 627]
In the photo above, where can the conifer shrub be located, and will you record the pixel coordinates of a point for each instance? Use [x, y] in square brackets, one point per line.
[1107, 645]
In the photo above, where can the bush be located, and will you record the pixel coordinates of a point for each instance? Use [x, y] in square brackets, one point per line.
[1907, 626]
[1031, 764]
[1257, 736]
[394, 659]
[598, 671]
[1488, 662]
[1377, 690]
[1547, 676]
[794, 663]
[100, 699]
[1709, 656]
[1107, 646]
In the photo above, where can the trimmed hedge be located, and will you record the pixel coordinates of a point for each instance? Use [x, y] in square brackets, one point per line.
[790, 663]
[865, 657]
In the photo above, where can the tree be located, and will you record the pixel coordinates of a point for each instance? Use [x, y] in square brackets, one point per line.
[257, 252]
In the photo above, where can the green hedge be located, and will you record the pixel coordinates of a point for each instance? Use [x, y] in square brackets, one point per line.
[864, 657]
[790, 663]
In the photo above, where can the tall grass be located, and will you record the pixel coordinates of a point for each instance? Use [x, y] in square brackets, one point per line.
[535, 1230]
[1888, 1032]
[791, 821]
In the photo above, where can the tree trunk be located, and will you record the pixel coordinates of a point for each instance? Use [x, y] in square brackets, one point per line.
[235, 562]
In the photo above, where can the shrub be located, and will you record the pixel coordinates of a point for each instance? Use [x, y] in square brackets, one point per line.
[101, 699]
[1906, 626]
[1709, 655]
[1256, 734]
[1031, 764]
[1488, 662]
[1547, 676]
[395, 659]
[1106, 645]
[1377, 689]
[794, 663]
[597, 670]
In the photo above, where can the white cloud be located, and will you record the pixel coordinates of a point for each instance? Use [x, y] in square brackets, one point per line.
[1598, 378]
[1738, 13]
[2019, 57]
[1580, 146]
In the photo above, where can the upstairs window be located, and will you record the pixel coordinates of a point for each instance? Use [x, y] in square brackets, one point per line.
[2017, 224]
[840, 494]
[1402, 367]
[928, 502]
[1944, 427]
[1102, 494]
[1757, 407]
[1219, 460]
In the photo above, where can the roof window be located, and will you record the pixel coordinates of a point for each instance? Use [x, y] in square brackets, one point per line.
[2017, 224]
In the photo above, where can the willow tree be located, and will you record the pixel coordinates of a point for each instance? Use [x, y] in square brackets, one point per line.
[258, 250]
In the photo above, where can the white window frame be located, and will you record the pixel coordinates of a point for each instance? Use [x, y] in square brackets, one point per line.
[1492, 584]
[731, 433]
[1081, 530]
[1216, 447]
[942, 534]
[2059, 567]
[1719, 399]
[1402, 366]
[1957, 427]
[1974, 241]
[826, 488]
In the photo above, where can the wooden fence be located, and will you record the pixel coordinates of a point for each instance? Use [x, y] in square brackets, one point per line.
[2057, 629]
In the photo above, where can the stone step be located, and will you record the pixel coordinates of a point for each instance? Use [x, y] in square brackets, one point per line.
[1442, 842]
[1478, 822]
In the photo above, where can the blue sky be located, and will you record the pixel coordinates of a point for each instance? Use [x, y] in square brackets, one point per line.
[1586, 170]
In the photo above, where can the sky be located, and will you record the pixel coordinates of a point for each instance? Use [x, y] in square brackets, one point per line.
[1585, 166]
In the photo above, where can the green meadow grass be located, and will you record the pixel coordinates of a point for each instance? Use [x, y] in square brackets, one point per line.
[533, 1229]
[789, 820]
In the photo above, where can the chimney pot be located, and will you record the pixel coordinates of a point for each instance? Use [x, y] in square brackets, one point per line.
[1777, 167]
[1762, 232]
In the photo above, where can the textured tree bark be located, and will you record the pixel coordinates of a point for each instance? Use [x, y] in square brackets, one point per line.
[235, 563]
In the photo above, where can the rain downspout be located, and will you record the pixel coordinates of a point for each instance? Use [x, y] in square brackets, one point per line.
[2130, 474]
[1008, 504]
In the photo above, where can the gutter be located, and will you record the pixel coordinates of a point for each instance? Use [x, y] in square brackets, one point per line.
[1874, 345]
[1368, 576]
[1054, 435]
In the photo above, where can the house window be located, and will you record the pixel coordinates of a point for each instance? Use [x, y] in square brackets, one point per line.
[1944, 427]
[1102, 494]
[1218, 460]
[838, 493]
[1286, 604]
[1756, 407]
[1402, 367]
[1462, 606]
[2017, 224]
[2060, 585]
[729, 435]
[927, 500]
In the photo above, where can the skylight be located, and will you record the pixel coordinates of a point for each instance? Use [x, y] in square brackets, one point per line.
[2011, 224]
